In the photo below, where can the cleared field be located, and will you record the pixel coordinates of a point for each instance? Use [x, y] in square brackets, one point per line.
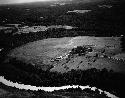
[41, 52]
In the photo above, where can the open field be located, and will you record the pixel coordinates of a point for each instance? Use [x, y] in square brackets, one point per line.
[43, 51]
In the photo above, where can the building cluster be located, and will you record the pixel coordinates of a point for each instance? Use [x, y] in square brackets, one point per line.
[6, 29]
[9, 28]
[27, 29]
[120, 56]
[79, 50]
[79, 11]
[59, 4]
[105, 6]
[87, 51]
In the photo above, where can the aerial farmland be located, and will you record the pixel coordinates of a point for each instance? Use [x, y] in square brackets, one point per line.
[62, 48]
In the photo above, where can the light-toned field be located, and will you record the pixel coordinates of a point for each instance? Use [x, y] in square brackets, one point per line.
[42, 51]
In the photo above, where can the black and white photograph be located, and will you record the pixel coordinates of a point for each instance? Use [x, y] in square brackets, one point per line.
[62, 48]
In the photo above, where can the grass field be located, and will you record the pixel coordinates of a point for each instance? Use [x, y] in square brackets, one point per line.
[42, 51]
